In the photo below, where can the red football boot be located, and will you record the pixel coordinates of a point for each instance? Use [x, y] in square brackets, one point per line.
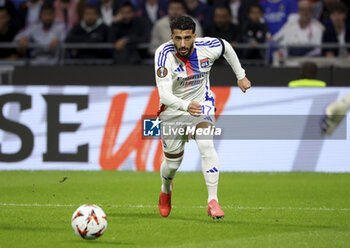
[164, 203]
[214, 210]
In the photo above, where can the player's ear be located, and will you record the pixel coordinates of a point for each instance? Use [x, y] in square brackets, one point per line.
[194, 36]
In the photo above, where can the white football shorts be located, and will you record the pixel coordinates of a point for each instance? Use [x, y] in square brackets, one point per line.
[177, 126]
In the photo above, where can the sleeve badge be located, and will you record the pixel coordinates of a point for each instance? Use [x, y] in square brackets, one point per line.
[162, 72]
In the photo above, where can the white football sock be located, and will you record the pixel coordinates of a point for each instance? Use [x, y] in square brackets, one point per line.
[168, 171]
[210, 166]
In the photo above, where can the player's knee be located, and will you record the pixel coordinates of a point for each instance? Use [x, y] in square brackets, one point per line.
[205, 146]
[173, 163]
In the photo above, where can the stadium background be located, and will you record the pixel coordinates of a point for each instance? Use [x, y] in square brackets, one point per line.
[70, 132]
[108, 129]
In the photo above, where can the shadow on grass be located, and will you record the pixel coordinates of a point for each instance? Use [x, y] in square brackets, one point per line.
[99, 242]
[134, 215]
[241, 224]
[225, 221]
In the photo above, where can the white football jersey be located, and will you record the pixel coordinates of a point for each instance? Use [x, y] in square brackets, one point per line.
[189, 77]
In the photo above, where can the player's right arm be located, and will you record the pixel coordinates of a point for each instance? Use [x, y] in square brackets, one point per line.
[231, 57]
[164, 81]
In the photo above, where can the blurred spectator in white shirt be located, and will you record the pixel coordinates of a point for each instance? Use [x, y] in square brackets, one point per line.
[47, 33]
[303, 31]
[234, 6]
[29, 12]
[109, 11]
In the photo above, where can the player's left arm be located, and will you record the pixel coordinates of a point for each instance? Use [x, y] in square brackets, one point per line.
[231, 57]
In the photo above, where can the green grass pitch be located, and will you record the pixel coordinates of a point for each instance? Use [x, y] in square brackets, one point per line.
[262, 209]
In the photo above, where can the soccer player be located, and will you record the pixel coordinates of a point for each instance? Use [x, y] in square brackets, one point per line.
[182, 67]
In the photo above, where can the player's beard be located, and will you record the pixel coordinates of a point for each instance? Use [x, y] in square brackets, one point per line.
[184, 56]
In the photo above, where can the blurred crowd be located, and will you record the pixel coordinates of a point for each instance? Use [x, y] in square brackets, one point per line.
[38, 27]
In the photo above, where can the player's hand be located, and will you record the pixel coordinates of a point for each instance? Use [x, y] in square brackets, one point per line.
[194, 108]
[243, 84]
[335, 113]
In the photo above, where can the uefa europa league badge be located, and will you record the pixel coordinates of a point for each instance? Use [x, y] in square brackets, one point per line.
[162, 72]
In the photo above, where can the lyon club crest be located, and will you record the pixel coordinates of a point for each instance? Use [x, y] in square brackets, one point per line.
[204, 62]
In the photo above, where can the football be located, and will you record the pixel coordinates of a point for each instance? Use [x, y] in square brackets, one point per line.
[89, 221]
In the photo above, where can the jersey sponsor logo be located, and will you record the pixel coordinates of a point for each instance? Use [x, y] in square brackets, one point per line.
[162, 72]
[204, 63]
[151, 127]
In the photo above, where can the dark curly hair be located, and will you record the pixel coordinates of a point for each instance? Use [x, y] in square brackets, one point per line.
[183, 23]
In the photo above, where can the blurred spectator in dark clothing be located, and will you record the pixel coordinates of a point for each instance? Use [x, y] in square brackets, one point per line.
[201, 11]
[322, 11]
[47, 33]
[244, 10]
[276, 13]
[90, 30]
[254, 32]
[127, 34]
[29, 13]
[9, 6]
[153, 10]
[347, 3]
[337, 31]
[324, 14]
[222, 26]
[17, 3]
[92, 2]
[67, 12]
[7, 33]
[239, 8]
[108, 10]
